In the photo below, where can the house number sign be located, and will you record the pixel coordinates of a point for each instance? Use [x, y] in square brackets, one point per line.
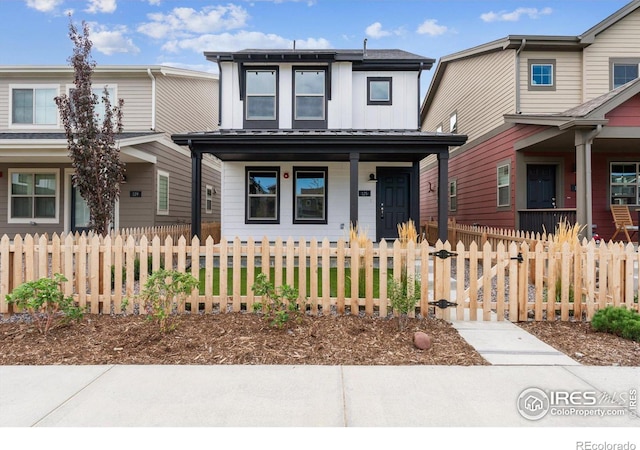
[135, 193]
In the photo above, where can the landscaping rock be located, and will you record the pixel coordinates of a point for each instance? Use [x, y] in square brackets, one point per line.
[422, 340]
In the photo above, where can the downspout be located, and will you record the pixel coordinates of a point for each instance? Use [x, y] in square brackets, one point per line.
[587, 163]
[220, 90]
[153, 99]
[524, 42]
[419, 94]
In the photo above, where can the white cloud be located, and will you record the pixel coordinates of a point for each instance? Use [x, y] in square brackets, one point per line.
[514, 16]
[375, 31]
[101, 6]
[431, 27]
[112, 41]
[182, 22]
[241, 40]
[44, 5]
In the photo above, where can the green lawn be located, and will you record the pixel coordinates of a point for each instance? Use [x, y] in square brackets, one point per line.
[333, 276]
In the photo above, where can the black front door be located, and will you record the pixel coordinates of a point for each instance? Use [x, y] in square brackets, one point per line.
[393, 201]
[541, 186]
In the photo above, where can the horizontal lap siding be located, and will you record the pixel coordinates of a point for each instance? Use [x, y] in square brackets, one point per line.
[626, 115]
[621, 40]
[186, 104]
[136, 93]
[475, 171]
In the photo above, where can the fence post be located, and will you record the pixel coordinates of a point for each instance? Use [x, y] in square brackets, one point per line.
[523, 285]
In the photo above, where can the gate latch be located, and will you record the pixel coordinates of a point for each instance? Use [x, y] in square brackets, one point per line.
[519, 258]
[443, 254]
[443, 304]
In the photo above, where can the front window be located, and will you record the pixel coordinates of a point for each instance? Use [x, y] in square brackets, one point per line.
[542, 74]
[163, 193]
[453, 195]
[310, 195]
[624, 183]
[33, 196]
[379, 91]
[623, 72]
[263, 190]
[309, 95]
[260, 98]
[34, 106]
[504, 190]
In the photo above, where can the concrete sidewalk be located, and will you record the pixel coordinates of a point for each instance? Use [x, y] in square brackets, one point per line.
[293, 396]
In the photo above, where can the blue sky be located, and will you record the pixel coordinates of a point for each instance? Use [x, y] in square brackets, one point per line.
[176, 33]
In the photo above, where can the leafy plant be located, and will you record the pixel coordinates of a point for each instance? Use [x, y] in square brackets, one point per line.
[45, 302]
[404, 295]
[618, 320]
[278, 304]
[163, 290]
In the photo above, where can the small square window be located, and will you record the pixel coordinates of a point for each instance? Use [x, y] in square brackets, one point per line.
[623, 72]
[542, 75]
[379, 91]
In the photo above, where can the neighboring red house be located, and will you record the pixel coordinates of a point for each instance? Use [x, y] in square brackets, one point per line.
[553, 126]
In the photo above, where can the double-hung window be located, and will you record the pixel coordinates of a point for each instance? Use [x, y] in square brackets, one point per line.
[262, 195]
[623, 71]
[453, 195]
[309, 98]
[163, 193]
[33, 195]
[504, 185]
[260, 99]
[209, 199]
[623, 183]
[310, 195]
[34, 105]
[542, 74]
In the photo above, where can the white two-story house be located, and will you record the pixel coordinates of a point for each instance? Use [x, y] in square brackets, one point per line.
[36, 192]
[312, 141]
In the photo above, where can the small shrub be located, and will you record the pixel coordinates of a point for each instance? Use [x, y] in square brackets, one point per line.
[45, 302]
[163, 290]
[402, 299]
[278, 304]
[619, 321]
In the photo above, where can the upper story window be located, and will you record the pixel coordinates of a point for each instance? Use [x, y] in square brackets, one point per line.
[33, 195]
[379, 91]
[98, 91]
[260, 101]
[439, 129]
[453, 123]
[623, 71]
[542, 74]
[34, 105]
[309, 98]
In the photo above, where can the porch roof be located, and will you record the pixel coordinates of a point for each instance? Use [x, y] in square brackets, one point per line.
[319, 145]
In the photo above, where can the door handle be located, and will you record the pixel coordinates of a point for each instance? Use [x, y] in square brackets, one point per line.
[382, 210]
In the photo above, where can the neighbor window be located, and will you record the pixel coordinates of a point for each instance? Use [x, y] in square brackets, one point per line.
[542, 74]
[623, 71]
[163, 192]
[309, 98]
[453, 195]
[34, 105]
[260, 98]
[439, 129]
[263, 190]
[209, 199]
[310, 195]
[33, 196]
[379, 91]
[453, 123]
[504, 185]
[624, 181]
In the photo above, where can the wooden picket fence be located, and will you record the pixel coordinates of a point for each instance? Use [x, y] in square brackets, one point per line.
[175, 231]
[513, 282]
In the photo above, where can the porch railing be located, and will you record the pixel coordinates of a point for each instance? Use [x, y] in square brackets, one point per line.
[545, 220]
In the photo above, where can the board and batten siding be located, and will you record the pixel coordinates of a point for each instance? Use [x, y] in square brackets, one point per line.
[480, 89]
[186, 104]
[233, 203]
[568, 83]
[621, 40]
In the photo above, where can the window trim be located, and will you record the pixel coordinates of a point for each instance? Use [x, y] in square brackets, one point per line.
[371, 102]
[162, 173]
[99, 88]
[208, 199]
[453, 197]
[439, 128]
[453, 122]
[507, 185]
[248, 220]
[309, 123]
[43, 126]
[37, 220]
[624, 61]
[324, 170]
[260, 123]
[542, 62]
[636, 185]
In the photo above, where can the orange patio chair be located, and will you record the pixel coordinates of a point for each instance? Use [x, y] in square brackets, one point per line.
[623, 222]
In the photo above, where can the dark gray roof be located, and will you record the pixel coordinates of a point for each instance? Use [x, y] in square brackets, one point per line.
[590, 106]
[62, 136]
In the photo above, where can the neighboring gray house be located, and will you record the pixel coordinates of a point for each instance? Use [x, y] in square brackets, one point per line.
[312, 141]
[36, 194]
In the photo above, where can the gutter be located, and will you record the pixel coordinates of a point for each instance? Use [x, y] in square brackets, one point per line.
[518, 51]
[153, 99]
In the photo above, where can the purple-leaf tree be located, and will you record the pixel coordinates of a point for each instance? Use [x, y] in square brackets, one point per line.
[91, 136]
